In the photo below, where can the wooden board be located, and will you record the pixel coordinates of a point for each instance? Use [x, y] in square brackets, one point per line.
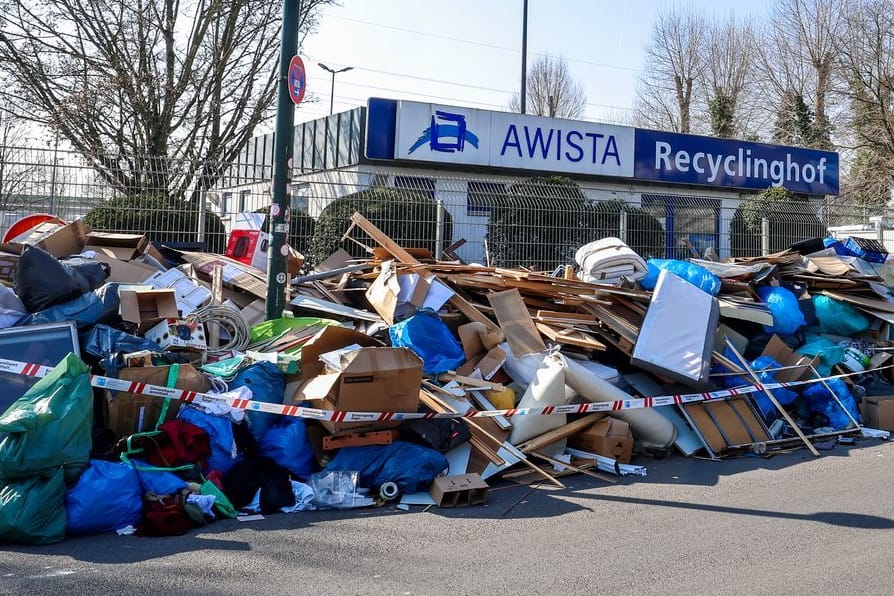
[516, 322]
[570, 336]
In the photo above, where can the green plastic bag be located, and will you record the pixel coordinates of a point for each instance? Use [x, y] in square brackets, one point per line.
[32, 511]
[50, 426]
[222, 504]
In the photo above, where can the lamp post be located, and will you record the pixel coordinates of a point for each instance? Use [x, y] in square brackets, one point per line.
[332, 89]
[524, 57]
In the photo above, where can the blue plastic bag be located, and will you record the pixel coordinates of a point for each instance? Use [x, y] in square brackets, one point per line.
[268, 385]
[763, 368]
[694, 274]
[412, 467]
[787, 315]
[838, 317]
[220, 435]
[108, 496]
[820, 401]
[107, 343]
[155, 480]
[828, 351]
[287, 444]
[427, 335]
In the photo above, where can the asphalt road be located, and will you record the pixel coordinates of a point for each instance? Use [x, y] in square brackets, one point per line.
[789, 524]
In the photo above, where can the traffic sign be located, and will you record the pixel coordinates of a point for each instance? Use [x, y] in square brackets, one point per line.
[297, 79]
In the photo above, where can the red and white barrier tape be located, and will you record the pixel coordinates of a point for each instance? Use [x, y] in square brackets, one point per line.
[35, 370]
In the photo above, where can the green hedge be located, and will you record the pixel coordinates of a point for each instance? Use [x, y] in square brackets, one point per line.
[162, 219]
[791, 219]
[409, 218]
[542, 222]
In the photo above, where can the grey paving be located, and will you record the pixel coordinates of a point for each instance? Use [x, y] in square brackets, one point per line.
[789, 524]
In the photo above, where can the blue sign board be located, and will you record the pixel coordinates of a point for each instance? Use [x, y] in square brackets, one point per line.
[691, 159]
[467, 137]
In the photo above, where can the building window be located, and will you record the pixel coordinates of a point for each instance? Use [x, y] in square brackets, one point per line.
[481, 196]
[225, 200]
[244, 199]
[424, 186]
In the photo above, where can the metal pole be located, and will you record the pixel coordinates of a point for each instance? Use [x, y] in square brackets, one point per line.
[765, 236]
[623, 226]
[524, 64]
[282, 157]
[332, 96]
[439, 231]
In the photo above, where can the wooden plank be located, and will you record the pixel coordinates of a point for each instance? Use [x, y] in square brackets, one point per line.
[560, 433]
[571, 337]
[516, 322]
[574, 468]
[546, 315]
[472, 313]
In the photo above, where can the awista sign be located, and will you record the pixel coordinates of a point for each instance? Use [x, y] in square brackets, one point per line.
[422, 132]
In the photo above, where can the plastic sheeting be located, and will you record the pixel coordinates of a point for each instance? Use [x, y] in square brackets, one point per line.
[100, 306]
[268, 385]
[427, 335]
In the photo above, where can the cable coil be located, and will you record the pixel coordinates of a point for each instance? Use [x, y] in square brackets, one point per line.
[230, 320]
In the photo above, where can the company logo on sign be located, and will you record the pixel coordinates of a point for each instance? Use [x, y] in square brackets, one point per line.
[446, 133]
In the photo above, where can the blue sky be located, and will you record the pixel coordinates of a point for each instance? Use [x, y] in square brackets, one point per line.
[468, 52]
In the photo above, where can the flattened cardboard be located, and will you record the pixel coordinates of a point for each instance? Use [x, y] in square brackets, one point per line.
[516, 322]
[147, 307]
[459, 491]
[878, 412]
[608, 437]
[128, 413]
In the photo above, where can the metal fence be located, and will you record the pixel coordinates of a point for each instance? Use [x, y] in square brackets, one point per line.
[501, 221]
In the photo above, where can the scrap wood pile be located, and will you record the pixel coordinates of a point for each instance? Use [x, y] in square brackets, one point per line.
[145, 393]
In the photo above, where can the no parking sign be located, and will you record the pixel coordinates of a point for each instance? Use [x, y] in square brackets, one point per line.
[297, 79]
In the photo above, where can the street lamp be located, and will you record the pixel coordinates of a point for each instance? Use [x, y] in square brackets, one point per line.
[332, 91]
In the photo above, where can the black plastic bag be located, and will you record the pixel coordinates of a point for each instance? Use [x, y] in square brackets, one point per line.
[100, 306]
[442, 435]
[43, 281]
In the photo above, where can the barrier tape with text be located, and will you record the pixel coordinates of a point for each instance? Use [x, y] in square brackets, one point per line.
[112, 384]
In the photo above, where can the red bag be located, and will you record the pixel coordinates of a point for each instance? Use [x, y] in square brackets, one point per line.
[164, 516]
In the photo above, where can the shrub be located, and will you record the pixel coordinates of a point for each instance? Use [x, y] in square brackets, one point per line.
[162, 219]
[790, 216]
[409, 218]
[543, 221]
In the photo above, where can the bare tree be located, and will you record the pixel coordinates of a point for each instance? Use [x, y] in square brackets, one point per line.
[15, 167]
[135, 85]
[675, 61]
[866, 55]
[797, 58]
[551, 90]
[727, 74]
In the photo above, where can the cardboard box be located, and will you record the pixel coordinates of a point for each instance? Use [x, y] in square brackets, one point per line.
[128, 413]
[59, 241]
[372, 379]
[147, 307]
[177, 334]
[122, 246]
[609, 437]
[784, 355]
[459, 491]
[249, 247]
[125, 272]
[878, 412]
